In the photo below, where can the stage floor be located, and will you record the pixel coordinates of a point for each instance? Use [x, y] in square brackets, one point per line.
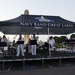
[40, 60]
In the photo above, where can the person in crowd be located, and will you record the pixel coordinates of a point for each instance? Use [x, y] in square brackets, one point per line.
[13, 43]
[29, 45]
[20, 46]
[33, 42]
[51, 42]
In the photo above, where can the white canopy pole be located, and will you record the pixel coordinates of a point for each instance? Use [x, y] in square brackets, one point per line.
[48, 32]
[48, 42]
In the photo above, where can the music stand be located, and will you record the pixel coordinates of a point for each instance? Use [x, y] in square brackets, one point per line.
[33, 42]
[46, 48]
[2, 45]
[20, 42]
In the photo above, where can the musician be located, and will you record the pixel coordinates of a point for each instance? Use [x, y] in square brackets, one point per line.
[4, 39]
[33, 42]
[72, 45]
[5, 48]
[13, 43]
[20, 46]
[51, 42]
[29, 46]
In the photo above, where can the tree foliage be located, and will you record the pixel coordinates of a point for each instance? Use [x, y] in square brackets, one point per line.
[60, 39]
[73, 36]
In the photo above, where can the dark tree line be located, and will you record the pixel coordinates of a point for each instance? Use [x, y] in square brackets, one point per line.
[73, 35]
[62, 39]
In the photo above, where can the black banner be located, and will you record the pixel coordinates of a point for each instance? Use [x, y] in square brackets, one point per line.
[45, 24]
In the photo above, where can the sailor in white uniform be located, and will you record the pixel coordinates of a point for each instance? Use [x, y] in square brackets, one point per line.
[5, 48]
[52, 47]
[33, 45]
[20, 47]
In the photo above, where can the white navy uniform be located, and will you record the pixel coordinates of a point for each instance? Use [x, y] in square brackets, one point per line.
[20, 47]
[33, 46]
[4, 40]
[51, 44]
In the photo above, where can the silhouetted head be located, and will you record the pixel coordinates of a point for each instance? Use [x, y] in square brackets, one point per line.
[4, 36]
[50, 37]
